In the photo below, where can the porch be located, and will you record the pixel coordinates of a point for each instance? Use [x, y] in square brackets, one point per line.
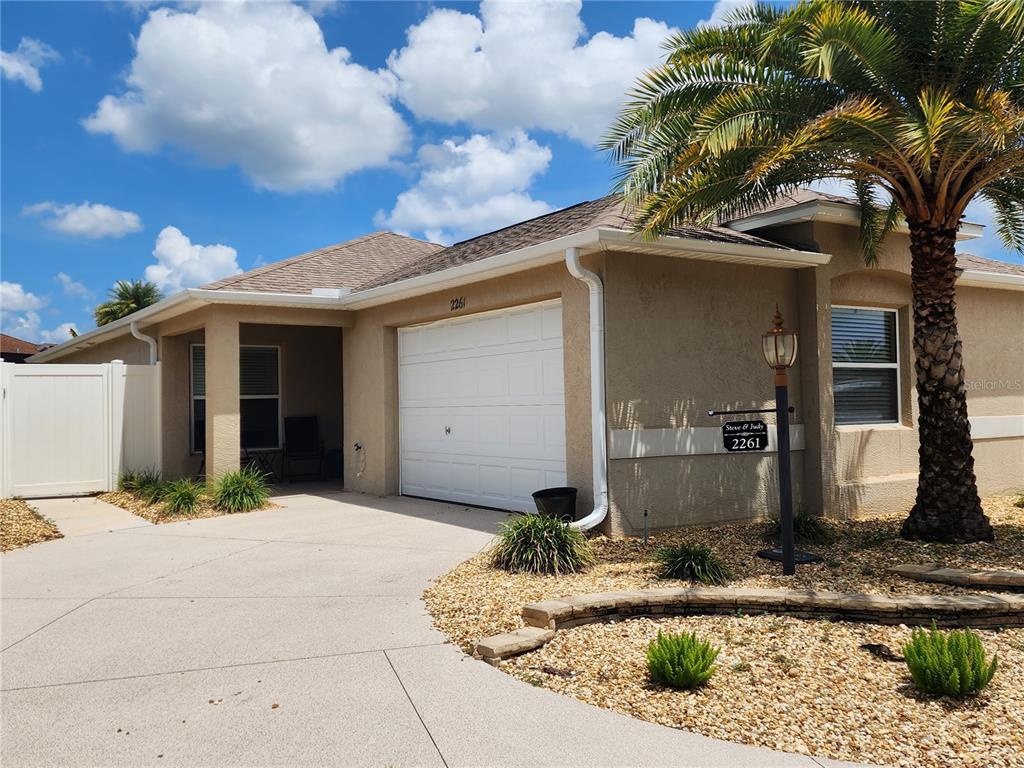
[234, 385]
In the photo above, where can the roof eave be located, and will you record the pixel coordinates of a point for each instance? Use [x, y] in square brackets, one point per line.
[178, 304]
[829, 212]
[589, 240]
[978, 278]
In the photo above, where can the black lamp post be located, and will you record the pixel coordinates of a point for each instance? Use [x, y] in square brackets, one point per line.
[779, 348]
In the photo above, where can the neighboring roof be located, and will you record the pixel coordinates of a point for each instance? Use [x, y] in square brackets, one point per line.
[343, 265]
[604, 212]
[968, 261]
[17, 346]
[805, 204]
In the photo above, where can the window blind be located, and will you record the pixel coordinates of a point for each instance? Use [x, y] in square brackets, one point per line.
[865, 378]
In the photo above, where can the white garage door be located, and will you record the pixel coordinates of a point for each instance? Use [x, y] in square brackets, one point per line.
[482, 407]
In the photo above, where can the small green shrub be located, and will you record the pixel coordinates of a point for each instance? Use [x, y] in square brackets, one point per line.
[134, 480]
[536, 544]
[692, 561]
[182, 496]
[808, 530]
[681, 661]
[948, 664]
[241, 491]
[1020, 501]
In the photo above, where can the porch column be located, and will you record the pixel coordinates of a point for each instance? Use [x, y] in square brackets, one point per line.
[223, 422]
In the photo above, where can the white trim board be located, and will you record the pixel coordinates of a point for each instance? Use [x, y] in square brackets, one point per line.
[990, 427]
[687, 441]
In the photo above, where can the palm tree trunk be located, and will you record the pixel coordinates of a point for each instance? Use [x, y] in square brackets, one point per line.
[947, 508]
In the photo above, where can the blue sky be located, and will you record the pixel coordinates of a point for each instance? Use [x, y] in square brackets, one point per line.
[184, 143]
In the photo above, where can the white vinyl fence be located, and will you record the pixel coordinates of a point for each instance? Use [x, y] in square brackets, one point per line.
[70, 429]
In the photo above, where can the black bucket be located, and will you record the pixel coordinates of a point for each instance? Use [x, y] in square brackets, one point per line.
[556, 502]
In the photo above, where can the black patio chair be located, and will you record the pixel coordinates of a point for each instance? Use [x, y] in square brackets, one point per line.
[302, 444]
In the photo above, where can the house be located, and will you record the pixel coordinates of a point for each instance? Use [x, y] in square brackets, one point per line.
[13, 350]
[565, 350]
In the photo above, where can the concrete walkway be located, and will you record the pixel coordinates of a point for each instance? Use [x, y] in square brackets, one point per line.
[80, 516]
[292, 636]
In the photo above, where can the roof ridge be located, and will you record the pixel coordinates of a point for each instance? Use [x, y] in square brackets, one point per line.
[276, 265]
[527, 221]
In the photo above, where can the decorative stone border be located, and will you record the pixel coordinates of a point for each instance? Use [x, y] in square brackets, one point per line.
[964, 577]
[547, 616]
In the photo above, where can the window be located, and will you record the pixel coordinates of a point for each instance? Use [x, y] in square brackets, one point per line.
[259, 386]
[865, 366]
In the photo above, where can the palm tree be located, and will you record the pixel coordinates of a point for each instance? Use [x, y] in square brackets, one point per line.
[126, 297]
[919, 105]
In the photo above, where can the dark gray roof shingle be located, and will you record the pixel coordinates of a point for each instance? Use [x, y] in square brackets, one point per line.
[604, 212]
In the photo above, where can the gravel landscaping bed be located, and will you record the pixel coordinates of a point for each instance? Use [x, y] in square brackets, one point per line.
[782, 683]
[157, 512]
[20, 525]
[794, 685]
[474, 600]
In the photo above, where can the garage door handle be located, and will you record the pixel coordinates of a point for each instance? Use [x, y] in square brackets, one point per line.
[447, 430]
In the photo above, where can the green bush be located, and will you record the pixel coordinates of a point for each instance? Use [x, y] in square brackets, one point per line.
[137, 480]
[241, 491]
[692, 561]
[536, 544]
[681, 661]
[948, 664]
[808, 530]
[182, 496]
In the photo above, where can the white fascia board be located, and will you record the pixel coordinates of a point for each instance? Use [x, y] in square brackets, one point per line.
[254, 298]
[692, 248]
[976, 278]
[549, 252]
[590, 240]
[172, 306]
[826, 211]
[181, 302]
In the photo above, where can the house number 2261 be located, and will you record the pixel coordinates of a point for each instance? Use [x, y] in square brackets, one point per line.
[459, 302]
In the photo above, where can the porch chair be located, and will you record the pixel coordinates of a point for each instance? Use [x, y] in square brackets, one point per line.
[302, 443]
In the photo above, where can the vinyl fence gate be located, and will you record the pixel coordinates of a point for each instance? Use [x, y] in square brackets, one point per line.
[70, 429]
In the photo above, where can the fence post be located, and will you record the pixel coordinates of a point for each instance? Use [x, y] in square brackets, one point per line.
[6, 428]
[116, 387]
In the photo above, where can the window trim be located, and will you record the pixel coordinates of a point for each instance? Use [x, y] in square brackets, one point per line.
[890, 366]
[279, 397]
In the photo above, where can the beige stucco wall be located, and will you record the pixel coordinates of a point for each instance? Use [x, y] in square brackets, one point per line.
[873, 469]
[370, 371]
[684, 337]
[125, 348]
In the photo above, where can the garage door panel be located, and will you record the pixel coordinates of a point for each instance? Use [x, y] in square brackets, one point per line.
[482, 408]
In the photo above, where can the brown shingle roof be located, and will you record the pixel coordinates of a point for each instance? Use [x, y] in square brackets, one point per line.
[603, 212]
[970, 261]
[17, 346]
[344, 265]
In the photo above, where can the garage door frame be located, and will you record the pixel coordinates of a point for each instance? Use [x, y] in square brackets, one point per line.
[516, 502]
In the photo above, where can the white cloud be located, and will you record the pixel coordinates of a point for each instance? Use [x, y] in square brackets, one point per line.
[254, 85]
[29, 327]
[14, 298]
[55, 336]
[70, 286]
[182, 264]
[469, 187]
[23, 62]
[92, 220]
[721, 10]
[521, 65]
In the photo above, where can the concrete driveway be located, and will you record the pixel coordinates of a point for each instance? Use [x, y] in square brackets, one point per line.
[293, 636]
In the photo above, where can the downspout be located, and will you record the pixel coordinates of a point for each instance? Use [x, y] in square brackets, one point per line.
[598, 421]
[134, 327]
